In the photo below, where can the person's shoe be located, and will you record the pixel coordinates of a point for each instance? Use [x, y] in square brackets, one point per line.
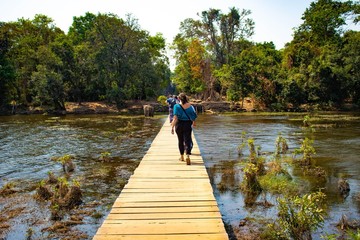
[188, 162]
[181, 158]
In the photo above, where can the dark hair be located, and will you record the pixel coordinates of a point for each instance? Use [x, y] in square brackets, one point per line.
[183, 98]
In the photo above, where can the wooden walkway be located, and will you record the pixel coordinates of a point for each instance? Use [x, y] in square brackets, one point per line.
[165, 198]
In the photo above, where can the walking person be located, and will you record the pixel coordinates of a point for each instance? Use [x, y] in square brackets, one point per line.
[184, 119]
[171, 101]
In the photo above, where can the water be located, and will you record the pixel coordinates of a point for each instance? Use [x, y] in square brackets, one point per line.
[337, 146]
[27, 144]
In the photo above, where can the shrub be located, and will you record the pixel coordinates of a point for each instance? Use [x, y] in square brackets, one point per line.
[162, 100]
[307, 150]
[298, 216]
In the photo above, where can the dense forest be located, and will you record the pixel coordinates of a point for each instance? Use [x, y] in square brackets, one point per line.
[106, 58]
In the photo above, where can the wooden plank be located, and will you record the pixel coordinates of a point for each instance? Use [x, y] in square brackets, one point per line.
[165, 204]
[166, 226]
[164, 210]
[137, 215]
[165, 198]
[213, 236]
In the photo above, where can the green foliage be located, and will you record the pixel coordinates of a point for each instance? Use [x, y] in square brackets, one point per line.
[298, 216]
[307, 150]
[106, 58]
[66, 162]
[251, 182]
[281, 145]
[162, 100]
[105, 156]
[277, 183]
[102, 57]
[242, 144]
[251, 145]
[306, 121]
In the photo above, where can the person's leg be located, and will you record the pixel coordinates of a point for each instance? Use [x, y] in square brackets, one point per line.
[171, 114]
[188, 141]
[180, 134]
[187, 138]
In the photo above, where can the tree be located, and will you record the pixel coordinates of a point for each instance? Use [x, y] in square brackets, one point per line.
[351, 59]
[324, 19]
[217, 34]
[7, 71]
[313, 60]
[222, 30]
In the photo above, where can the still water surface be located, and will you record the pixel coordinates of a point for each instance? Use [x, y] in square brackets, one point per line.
[28, 142]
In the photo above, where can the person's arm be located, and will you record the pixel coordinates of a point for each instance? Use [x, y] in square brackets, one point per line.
[173, 123]
[195, 116]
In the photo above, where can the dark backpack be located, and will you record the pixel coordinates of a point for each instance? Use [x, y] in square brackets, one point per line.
[173, 102]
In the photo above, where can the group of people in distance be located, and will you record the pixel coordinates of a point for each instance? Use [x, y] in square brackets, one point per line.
[182, 117]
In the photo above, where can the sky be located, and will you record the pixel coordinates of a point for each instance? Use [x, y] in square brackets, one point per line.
[275, 20]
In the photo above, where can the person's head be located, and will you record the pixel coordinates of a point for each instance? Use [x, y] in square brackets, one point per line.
[183, 98]
[176, 97]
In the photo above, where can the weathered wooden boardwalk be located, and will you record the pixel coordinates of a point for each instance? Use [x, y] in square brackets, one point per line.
[165, 198]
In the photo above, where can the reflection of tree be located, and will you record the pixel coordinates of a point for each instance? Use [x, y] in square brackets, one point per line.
[226, 172]
[250, 198]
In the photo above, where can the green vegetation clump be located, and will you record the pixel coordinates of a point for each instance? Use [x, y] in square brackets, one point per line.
[278, 184]
[307, 150]
[281, 146]
[162, 100]
[251, 182]
[298, 217]
[66, 162]
[105, 156]
[7, 189]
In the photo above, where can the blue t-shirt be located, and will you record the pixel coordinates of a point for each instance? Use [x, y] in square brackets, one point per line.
[179, 112]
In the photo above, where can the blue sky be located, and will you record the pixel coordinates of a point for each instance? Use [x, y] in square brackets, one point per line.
[274, 19]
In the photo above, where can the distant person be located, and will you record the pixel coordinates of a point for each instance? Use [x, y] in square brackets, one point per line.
[184, 119]
[171, 101]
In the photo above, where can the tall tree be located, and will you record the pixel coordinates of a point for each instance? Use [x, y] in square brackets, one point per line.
[218, 34]
[313, 59]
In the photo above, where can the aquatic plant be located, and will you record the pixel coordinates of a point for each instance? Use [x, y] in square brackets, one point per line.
[251, 144]
[251, 182]
[105, 156]
[97, 215]
[51, 178]
[350, 235]
[7, 189]
[353, 235]
[62, 187]
[242, 144]
[43, 191]
[307, 150]
[73, 197]
[56, 213]
[281, 145]
[345, 223]
[66, 162]
[277, 183]
[298, 217]
[306, 121]
[29, 233]
[343, 187]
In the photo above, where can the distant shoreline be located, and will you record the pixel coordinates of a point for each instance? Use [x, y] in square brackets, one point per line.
[136, 108]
